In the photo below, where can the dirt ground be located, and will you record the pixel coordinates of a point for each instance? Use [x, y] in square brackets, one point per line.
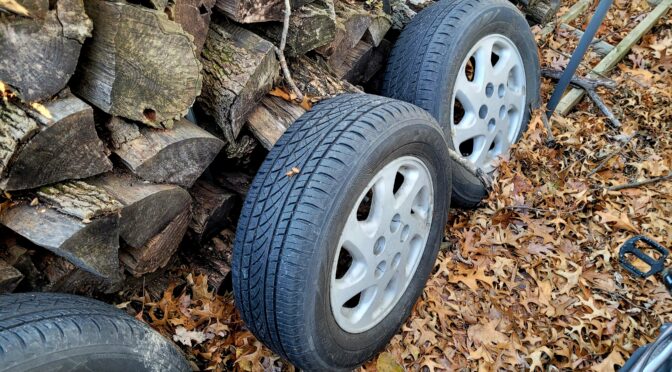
[531, 279]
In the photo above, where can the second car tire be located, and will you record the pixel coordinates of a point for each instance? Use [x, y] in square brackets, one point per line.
[427, 61]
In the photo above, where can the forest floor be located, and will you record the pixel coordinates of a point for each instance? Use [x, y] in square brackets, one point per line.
[531, 279]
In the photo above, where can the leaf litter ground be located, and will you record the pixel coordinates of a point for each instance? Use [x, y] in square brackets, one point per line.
[530, 280]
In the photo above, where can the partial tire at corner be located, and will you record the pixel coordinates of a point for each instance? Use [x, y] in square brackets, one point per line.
[427, 65]
[60, 332]
[332, 168]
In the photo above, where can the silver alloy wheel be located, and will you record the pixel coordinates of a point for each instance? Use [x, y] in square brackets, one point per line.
[489, 101]
[382, 244]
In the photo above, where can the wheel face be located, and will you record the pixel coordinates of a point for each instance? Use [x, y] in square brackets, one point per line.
[381, 244]
[488, 101]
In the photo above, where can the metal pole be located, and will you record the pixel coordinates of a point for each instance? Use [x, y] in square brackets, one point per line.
[578, 54]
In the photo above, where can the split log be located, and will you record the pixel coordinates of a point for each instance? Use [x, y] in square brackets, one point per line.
[239, 68]
[351, 24]
[237, 182]
[63, 277]
[43, 148]
[158, 250]
[138, 65]
[363, 61]
[251, 11]
[17, 255]
[310, 27]
[147, 208]
[194, 17]
[380, 25]
[176, 156]
[82, 226]
[40, 54]
[212, 206]
[539, 11]
[317, 82]
[9, 277]
[269, 120]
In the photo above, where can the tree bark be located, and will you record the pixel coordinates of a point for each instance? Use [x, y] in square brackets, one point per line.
[138, 65]
[60, 144]
[317, 82]
[39, 54]
[66, 230]
[212, 207]
[239, 68]
[310, 27]
[539, 11]
[271, 118]
[194, 17]
[176, 156]
[252, 11]
[147, 208]
[158, 250]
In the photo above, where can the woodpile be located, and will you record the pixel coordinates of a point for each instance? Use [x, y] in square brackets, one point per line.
[131, 128]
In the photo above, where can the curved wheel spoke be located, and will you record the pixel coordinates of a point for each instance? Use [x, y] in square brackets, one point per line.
[350, 286]
[467, 92]
[507, 62]
[357, 239]
[483, 56]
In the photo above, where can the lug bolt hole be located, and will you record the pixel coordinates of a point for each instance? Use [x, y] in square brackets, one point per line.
[380, 269]
[396, 260]
[489, 90]
[395, 224]
[502, 112]
[501, 91]
[379, 246]
[491, 125]
[483, 112]
[405, 232]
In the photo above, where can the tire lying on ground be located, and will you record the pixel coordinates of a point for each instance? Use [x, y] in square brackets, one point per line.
[473, 64]
[340, 230]
[60, 332]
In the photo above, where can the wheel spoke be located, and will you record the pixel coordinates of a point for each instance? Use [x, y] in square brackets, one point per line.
[467, 92]
[474, 128]
[483, 57]
[352, 284]
[507, 61]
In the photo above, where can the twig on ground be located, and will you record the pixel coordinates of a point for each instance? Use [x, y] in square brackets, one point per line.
[640, 183]
[550, 139]
[485, 179]
[612, 154]
[590, 85]
[281, 52]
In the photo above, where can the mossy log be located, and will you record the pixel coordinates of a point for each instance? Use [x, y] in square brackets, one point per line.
[239, 68]
[251, 11]
[76, 221]
[176, 156]
[40, 53]
[194, 17]
[139, 64]
[158, 250]
[58, 144]
[310, 27]
[147, 208]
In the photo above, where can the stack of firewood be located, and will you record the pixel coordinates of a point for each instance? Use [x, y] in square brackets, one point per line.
[122, 122]
[101, 172]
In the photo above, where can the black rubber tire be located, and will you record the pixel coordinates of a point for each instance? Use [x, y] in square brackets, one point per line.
[290, 225]
[60, 332]
[424, 63]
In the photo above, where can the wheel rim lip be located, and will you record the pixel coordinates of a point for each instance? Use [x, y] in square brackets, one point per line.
[515, 126]
[345, 321]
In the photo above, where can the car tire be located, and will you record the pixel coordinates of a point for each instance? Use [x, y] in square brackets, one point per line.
[426, 65]
[302, 216]
[60, 332]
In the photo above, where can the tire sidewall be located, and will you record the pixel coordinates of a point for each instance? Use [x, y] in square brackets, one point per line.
[329, 341]
[493, 17]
